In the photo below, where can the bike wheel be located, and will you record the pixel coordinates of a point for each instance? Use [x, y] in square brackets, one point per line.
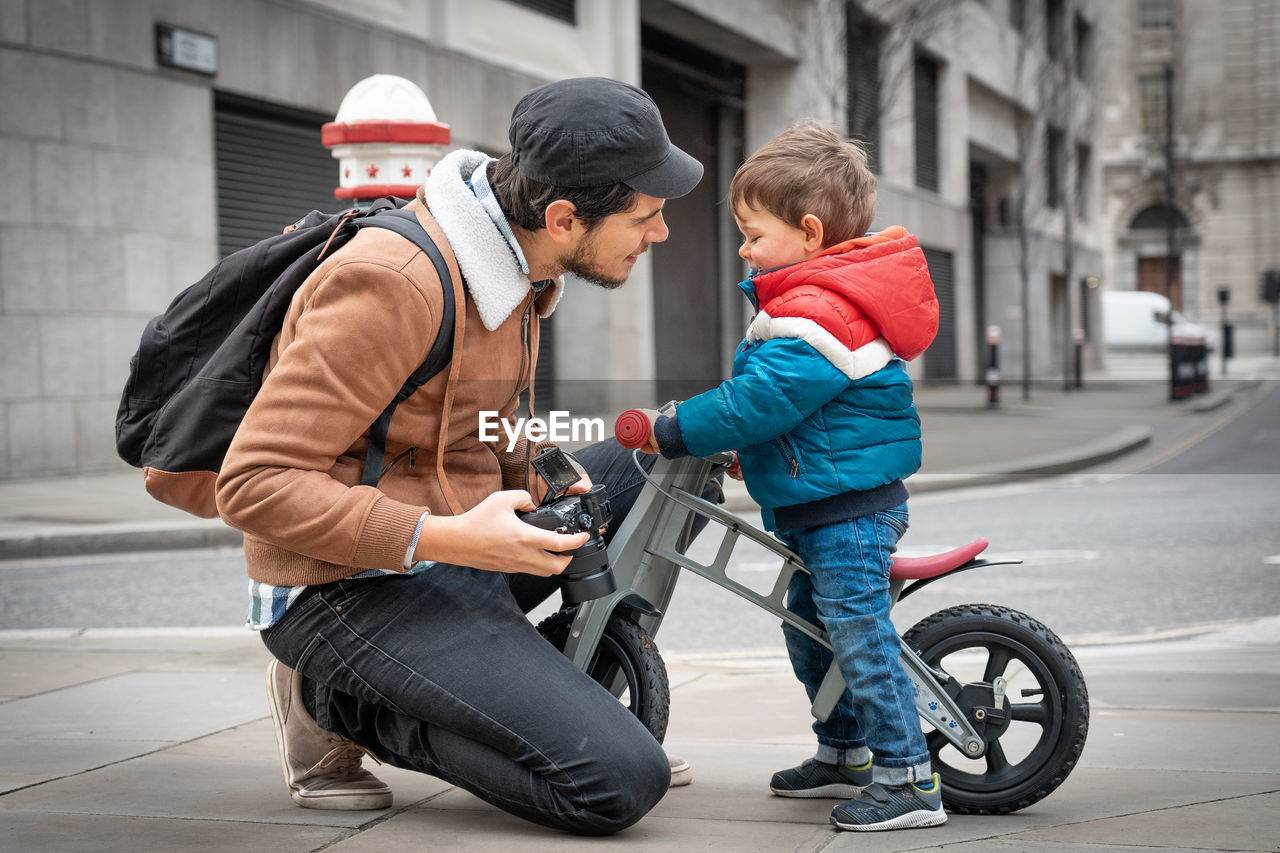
[1031, 745]
[627, 663]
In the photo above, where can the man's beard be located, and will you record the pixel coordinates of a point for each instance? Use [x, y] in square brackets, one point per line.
[583, 264]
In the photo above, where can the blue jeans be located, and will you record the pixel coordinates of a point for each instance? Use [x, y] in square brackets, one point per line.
[847, 592]
[441, 672]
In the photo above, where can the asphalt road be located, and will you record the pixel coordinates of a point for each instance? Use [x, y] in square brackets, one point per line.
[1170, 542]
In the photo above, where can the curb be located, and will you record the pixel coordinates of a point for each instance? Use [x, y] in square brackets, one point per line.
[74, 540]
[1216, 399]
[1043, 465]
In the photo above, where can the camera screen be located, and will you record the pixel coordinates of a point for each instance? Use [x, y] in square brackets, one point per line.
[554, 467]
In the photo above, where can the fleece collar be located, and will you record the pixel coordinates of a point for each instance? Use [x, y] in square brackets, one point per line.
[489, 267]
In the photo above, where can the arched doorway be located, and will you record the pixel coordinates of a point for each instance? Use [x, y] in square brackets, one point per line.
[1160, 271]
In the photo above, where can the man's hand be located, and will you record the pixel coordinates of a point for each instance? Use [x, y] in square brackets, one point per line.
[583, 485]
[538, 486]
[491, 537]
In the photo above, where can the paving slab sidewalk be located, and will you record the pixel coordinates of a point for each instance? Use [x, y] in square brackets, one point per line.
[127, 740]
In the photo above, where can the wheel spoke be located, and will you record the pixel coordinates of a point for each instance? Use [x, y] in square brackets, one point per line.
[997, 662]
[997, 762]
[1030, 712]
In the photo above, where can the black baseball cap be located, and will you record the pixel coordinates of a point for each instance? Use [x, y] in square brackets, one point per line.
[593, 132]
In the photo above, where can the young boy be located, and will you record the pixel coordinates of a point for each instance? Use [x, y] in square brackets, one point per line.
[820, 411]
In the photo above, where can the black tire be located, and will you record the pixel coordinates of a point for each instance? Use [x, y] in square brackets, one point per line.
[1037, 665]
[627, 663]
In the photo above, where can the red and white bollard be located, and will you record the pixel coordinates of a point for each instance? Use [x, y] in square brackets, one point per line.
[386, 139]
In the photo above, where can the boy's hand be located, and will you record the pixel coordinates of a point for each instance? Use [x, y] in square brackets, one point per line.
[651, 443]
[735, 470]
[637, 428]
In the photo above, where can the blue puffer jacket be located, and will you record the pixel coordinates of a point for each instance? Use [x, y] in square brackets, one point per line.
[819, 406]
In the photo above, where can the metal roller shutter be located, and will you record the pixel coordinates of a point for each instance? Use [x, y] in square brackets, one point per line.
[271, 170]
[940, 357]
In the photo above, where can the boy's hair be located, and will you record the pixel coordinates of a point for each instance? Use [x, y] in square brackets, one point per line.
[526, 200]
[809, 168]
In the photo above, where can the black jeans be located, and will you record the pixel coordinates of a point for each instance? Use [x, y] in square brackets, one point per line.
[441, 672]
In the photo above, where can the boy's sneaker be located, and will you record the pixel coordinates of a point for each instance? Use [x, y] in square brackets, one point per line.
[321, 769]
[815, 779]
[899, 807]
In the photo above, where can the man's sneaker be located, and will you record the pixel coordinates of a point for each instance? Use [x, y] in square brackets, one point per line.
[816, 779]
[898, 807]
[321, 769]
[681, 771]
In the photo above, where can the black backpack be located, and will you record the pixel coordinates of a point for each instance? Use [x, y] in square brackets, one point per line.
[200, 363]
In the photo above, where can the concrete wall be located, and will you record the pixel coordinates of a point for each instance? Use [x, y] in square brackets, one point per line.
[111, 203]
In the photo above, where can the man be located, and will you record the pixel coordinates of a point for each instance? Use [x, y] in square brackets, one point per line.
[390, 610]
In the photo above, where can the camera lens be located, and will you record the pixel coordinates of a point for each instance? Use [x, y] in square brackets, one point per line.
[588, 575]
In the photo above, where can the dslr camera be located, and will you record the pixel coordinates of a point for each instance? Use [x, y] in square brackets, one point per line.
[588, 575]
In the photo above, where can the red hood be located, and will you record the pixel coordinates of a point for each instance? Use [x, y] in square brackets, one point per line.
[885, 278]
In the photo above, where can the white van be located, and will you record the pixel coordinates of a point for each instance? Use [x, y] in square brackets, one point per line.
[1138, 320]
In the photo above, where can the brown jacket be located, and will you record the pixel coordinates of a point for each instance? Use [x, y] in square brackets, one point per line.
[354, 332]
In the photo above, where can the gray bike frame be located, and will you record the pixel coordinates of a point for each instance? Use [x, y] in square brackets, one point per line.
[648, 551]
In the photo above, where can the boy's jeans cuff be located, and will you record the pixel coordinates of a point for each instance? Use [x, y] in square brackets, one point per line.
[897, 776]
[854, 756]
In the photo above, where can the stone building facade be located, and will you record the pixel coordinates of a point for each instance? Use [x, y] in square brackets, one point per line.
[1006, 201]
[143, 139]
[1191, 142]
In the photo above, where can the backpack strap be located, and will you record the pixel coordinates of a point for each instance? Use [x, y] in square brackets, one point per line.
[406, 224]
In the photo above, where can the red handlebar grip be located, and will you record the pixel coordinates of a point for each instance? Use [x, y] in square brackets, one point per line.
[631, 428]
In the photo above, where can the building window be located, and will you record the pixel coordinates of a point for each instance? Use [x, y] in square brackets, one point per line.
[1084, 48]
[1155, 14]
[1053, 168]
[561, 10]
[1084, 154]
[1053, 28]
[926, 115]
[1018, 15]
[1153, 102]
[864, 38]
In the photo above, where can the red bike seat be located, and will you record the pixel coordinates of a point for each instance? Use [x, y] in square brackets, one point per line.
[915, 568]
